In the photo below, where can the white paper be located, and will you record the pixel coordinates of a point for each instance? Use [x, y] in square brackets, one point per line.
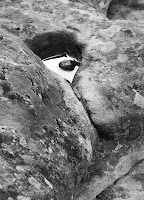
[53, 64]
[139, 100]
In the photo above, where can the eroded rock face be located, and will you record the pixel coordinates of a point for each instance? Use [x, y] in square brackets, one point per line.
[47, 145]
[45, 134]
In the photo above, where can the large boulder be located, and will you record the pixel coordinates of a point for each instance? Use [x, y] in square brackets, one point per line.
[45, 134]
[110, 85]
[107, 94]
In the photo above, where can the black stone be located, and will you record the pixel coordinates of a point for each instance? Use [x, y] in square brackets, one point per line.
[68, 65]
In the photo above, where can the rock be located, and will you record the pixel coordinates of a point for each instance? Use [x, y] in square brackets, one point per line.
[28, 18]
[104, 97]
[45, 133]
[108, 86]
[130, 187]
[68, 65]
[126, 10]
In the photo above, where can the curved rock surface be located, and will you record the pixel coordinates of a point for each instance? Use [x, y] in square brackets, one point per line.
[126, 10]
[48, 144]
[45, 134]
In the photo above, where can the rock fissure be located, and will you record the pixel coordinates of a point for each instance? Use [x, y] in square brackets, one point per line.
[52, 153]
[101, 195]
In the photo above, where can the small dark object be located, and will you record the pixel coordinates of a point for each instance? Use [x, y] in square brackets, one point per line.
[68, 65]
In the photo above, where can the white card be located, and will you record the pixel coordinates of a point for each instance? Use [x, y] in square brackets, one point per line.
[53, 64]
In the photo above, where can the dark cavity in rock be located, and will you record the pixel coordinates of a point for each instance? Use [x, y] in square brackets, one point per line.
[56, 43]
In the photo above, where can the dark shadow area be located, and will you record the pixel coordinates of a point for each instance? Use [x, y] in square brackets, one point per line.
[55, 43]
[126, 10]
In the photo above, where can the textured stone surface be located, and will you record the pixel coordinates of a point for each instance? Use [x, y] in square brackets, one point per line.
[126, 10]
[130, 187]
[45, 134]
[107, 83]
[47, 124]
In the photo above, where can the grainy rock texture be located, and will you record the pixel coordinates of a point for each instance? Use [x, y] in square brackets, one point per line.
[126, 10]
[45, 134]
[49, 127]
[130, 187]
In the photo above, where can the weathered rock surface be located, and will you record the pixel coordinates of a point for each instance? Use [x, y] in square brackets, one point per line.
[126, 10]
[130, 187]
[109, 86]
[45, 134]
[108, 83]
